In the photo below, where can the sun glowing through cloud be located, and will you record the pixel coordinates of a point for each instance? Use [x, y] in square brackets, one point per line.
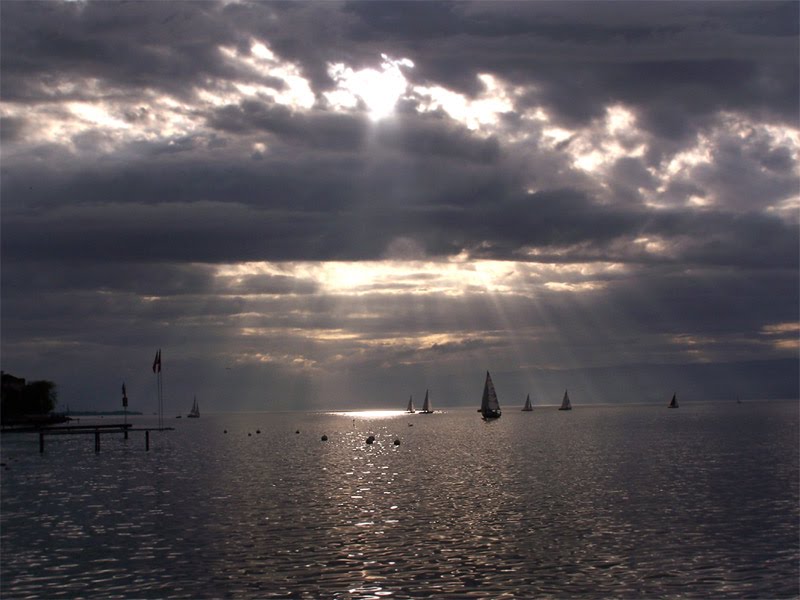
[379, 90]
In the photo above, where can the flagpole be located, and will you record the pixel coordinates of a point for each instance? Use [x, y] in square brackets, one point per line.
[158, 395]
[161, 383]
[159, 388]
[125, 406]
[161, 379]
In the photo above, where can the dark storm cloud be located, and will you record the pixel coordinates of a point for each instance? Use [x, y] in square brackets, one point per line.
[320, 131]
[135, 278]
[164, 45]
[432, 139]
[11, 129]
[174, 232]
[278, 216]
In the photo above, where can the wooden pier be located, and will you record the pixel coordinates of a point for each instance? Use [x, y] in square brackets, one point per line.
[97, 430]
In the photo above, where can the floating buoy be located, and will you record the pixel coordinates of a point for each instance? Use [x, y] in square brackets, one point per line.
[397, 442]
[258, 431]
[370, 439]
[410, 424]
[324, 438]
[249, 434]
[226, 431]
[298, 431]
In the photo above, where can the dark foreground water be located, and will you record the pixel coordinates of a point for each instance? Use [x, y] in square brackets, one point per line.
[635, 501]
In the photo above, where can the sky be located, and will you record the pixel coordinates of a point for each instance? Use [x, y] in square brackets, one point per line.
[331, 205]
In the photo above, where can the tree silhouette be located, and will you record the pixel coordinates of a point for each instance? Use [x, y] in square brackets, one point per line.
[35, 398]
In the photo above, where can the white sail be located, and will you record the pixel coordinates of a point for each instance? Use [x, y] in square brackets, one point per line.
[410, 408]
[426, 405]
[528, 407]
[490, 407]
[565, 403]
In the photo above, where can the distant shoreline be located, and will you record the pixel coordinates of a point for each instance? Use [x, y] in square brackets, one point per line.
[101, 413]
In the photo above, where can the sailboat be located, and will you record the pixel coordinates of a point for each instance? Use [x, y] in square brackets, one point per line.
[195, 412]
[410, 408]
[565, 403]
[426, 405]
[490, 407]
[674, 402]
[528, 407]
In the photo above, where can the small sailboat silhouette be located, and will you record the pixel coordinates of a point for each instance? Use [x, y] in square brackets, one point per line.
[528, 406]
[565, 403]
[410, 408]
[426, 405]
[195, 412]
[674, 402]
[490, 407]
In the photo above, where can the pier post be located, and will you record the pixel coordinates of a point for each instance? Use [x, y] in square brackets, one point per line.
[97, 441]
[41, 442]
[126, 433]
[147, 440]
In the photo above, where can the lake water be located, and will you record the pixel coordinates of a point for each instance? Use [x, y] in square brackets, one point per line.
[627, 501]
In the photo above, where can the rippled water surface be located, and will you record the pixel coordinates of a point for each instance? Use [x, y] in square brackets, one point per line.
[634, 501]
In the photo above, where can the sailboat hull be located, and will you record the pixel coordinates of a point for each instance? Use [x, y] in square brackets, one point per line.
[488, 415]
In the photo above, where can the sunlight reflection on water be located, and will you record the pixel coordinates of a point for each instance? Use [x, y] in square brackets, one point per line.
[371, 414]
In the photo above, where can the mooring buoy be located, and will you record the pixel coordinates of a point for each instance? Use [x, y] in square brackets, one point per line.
[370, 439]
[324, 438]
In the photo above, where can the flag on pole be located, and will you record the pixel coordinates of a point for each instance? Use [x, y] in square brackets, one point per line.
[124, 396]
[157, 362]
